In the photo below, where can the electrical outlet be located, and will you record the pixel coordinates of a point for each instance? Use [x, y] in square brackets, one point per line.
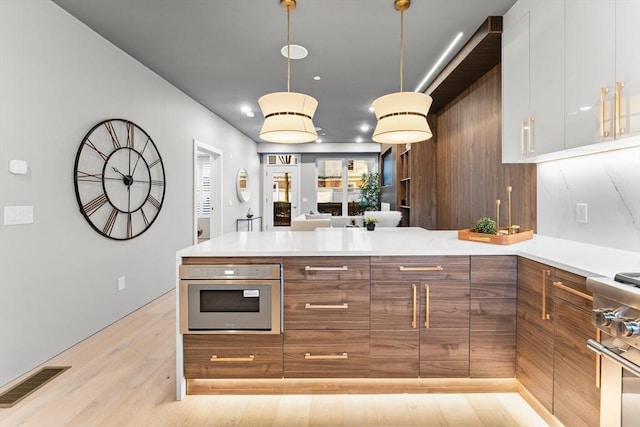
[581, 213]
[121, 284]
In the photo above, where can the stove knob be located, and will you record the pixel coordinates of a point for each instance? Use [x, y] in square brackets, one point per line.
[603, 317]
[627, 328]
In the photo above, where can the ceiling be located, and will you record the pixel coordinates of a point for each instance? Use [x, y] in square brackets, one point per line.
[226, 54]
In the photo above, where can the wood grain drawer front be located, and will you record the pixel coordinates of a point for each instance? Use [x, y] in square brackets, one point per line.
[494, 269]
[326, 354]
[420, 268]
[491, 290]
[326, 268]
[492, 354]
[444, 353]
[326, 305]
[573, 289]
[493, 314]
[232, 356]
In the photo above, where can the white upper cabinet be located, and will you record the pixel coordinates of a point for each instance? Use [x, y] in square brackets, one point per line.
[532, 80]
[590, 71]
[628, 66]
[571, 78]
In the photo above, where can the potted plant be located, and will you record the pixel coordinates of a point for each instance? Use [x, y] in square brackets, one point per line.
[486, 226]
[370, 223]
[370, 191]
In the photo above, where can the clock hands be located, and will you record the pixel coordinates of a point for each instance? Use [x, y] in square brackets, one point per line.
[127, 179]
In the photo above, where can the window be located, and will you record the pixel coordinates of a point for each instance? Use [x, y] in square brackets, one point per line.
[203, 187]
[387, 168]
[338, 185]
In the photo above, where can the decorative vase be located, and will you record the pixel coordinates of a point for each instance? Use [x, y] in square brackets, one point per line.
[371, 226]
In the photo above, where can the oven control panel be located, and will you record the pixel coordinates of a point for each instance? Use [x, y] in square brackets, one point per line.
[620, 321]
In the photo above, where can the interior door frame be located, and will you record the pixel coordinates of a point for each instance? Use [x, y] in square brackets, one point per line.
[215, 220]
[268, 192]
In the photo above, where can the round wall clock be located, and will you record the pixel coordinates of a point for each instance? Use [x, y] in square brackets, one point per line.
[119, 179]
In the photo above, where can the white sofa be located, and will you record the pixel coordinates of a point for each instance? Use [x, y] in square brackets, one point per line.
[310, 222]
[385, 218]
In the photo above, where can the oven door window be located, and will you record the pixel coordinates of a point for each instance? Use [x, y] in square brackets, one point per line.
[230, 301]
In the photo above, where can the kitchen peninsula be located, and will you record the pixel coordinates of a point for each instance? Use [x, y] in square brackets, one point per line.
[395, 304]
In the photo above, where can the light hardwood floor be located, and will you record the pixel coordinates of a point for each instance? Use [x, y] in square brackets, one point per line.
[125, 376]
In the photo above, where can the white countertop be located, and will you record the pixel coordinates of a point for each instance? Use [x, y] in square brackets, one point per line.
[579, 258]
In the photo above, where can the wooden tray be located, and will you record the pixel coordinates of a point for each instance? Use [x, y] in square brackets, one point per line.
[502, 239]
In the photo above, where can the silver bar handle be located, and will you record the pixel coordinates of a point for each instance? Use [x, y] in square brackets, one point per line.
[310, 268]
[595, 346]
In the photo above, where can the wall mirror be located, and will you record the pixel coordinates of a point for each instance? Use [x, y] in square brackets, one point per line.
[242, 185]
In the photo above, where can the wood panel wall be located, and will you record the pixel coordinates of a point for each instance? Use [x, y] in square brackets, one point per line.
[458, 174]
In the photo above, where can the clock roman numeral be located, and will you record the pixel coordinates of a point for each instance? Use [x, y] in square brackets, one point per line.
[129, 226]
[144, 218]
[91, 207]
[89, 177]
[100, 153]
[111, 221]
[153, 201]
[130, 131]
[157, 182]
[112, 133]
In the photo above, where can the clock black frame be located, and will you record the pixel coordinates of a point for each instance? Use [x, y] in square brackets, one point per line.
[119, 179]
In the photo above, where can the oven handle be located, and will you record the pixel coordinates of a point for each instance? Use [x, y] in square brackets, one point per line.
[614, 357]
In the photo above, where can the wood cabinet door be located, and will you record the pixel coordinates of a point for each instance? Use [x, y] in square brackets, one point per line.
[576, 369]
[444, 329]
[493, 317]
[534, 338]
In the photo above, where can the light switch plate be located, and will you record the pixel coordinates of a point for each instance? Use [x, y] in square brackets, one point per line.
[18, 167]
[15, 215]
[581, 213]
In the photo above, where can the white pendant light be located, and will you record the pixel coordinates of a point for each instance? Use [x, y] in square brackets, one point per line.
[288, 115]
[402, 116]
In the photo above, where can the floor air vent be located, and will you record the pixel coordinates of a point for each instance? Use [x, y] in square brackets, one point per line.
[24, 388]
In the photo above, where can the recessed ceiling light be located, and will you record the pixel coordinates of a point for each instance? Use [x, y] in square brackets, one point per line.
[587, 108]
[359, 139]
[319, 140]
[371, 108]
[364, 127]
[245, 109]
[250, 114]
[318, 128]
[297, 51]
[317, 77]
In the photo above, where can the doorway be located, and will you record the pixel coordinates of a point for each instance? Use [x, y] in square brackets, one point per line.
[207, 192]
[282, 193]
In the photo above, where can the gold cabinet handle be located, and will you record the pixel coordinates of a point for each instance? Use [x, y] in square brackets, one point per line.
[215, 358]
[530, 134]
[603, 97]
[342, 268]
[523, 147]
[321, 306]
[434, 268]
[309, 356]
[426, 308]
[545, 273]
[619, 86]
[414, 319]
[576, 292]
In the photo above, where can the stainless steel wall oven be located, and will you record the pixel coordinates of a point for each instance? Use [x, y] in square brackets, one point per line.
[616, 313]
[235, 298]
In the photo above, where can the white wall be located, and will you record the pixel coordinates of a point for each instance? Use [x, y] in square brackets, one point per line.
[609, 183]
[58, 277]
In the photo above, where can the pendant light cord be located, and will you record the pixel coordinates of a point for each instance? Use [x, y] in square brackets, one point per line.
[401, 47]
[288, 52]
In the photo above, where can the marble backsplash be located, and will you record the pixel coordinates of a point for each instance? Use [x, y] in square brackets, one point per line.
[609, 183]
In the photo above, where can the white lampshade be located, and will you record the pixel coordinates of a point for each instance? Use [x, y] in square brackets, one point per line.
[402, 118]
[288, 117]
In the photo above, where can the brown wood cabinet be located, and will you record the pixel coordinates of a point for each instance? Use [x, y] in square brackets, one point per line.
[553, 362]
[493, 316]
[232, 356]
[420, 316]
[326, 317]
[534, 345]
[576, 368]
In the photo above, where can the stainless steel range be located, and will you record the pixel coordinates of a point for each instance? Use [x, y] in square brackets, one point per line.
[616, 313]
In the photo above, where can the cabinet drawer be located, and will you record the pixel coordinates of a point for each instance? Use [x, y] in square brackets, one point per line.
[326, 354]
[573, 288]
[492, 354]
[444, 344]
[326, 268]
[232, 356]
[420, 268]
[326, 305]
[494, 269]
[394, 354]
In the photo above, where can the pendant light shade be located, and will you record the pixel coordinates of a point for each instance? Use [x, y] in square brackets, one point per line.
[402, 116]
[288, 116]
